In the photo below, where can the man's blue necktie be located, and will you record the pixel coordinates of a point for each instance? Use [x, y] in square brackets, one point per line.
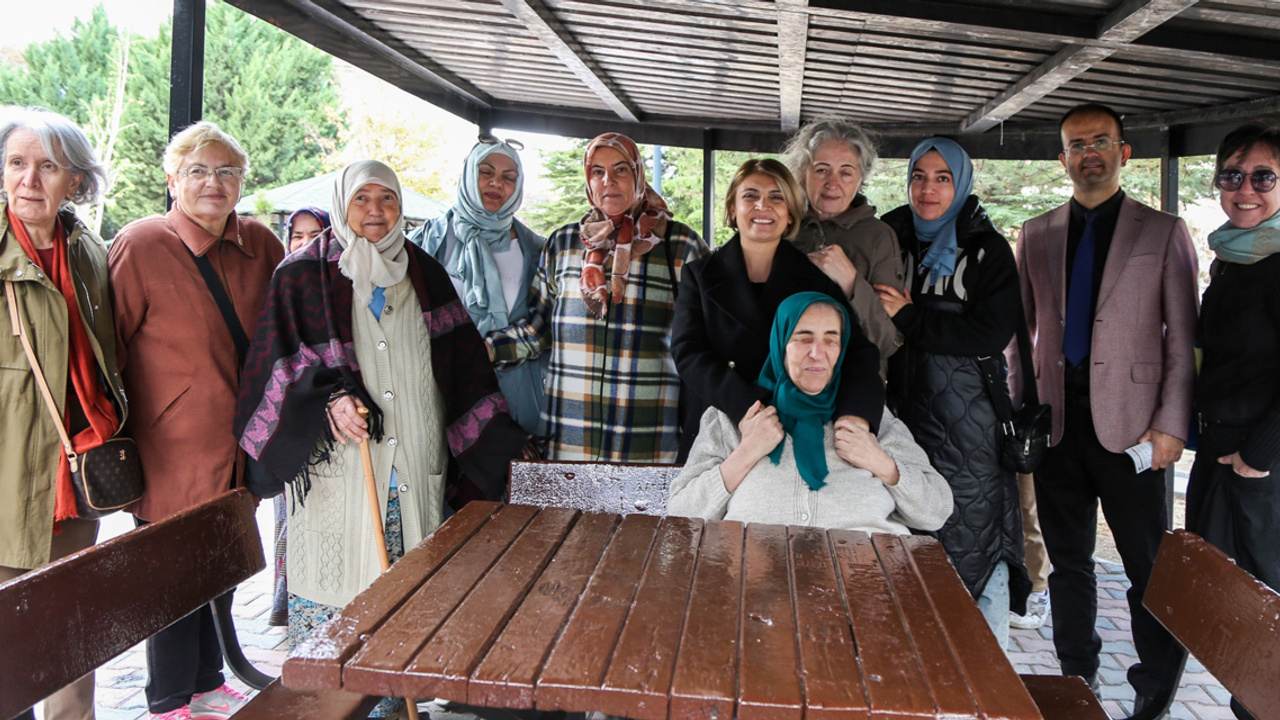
[1078, 333]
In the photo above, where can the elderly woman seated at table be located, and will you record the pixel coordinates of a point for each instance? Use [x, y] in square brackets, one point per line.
[793, 464]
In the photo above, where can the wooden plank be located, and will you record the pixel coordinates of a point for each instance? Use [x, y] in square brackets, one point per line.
[376, 668]
[793, 40]
[317, 662]
[1064, 698]
[573, 673]
[443, 667]
[506, 676]
[894, 684]
[705, 680]
[768, 681]
[937, 656]
[828, 662]
[995, 686]
[277, 702]
[638, 682]
[621, 488]
[1227, 618]
[71, 616]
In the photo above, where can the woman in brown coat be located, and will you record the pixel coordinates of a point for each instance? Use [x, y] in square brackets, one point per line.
[181, 369]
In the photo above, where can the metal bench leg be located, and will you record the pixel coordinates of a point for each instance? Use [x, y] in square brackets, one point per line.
[225, 624]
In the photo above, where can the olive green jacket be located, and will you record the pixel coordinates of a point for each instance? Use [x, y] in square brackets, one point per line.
[29, 444]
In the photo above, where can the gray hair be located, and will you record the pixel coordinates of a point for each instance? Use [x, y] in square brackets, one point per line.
[196, 137]
[65, 143]
[798, 152]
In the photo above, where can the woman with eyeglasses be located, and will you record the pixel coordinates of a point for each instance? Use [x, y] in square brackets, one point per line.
[181, 367]
[492, 258]
[960, 309]
[602, 305]
[1233, 498]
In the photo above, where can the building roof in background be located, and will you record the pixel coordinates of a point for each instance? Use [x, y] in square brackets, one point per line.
[742, 74]
[318, 191]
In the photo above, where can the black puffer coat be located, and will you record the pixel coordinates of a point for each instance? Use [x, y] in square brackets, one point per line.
[935, 386]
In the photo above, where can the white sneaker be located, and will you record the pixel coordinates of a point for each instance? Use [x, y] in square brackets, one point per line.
[217, 704]
[1037, 612]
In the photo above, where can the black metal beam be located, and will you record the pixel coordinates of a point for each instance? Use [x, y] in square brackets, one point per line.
[930, 14]
[709, 185]
[186, 65]
[1168, 172]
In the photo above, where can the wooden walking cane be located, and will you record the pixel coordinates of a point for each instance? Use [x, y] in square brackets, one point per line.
[380, 536]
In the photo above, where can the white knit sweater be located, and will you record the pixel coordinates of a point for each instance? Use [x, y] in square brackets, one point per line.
[852, 499]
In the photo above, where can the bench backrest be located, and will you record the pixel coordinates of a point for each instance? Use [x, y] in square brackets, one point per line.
[1222, 615]
[61, 621]
[621, 488]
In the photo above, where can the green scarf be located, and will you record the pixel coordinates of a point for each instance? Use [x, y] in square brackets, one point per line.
[1247, 246]
[803, 416]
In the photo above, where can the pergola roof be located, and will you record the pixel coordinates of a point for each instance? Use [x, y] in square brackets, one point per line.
[741, 74]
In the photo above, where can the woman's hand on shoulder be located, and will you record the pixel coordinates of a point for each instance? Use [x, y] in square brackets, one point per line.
[856, 445]
[833, 261]
[761, 430]
[345, 421]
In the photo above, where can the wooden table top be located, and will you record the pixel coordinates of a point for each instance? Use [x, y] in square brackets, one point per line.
[646, 617]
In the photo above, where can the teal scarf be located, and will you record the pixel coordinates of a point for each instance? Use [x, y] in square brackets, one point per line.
[480, 234]
[803, 416]
[1247, 246]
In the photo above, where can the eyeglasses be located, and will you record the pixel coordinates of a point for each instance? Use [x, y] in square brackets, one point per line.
[224, 174]
[1101, 146]
[1263, 181]
[488, 139]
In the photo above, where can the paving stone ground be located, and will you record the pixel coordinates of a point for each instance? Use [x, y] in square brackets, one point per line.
[120, 683]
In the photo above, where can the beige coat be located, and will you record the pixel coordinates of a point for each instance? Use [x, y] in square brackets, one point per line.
[29, 444]
[1142, 351]
[176, 354]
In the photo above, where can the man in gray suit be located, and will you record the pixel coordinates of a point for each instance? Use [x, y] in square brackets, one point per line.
[1110, 293]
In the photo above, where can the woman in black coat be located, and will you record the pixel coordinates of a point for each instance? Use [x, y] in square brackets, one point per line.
[727, 301]
[962, 303]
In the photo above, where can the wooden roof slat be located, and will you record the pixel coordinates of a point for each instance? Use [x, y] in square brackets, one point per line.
[793, 40]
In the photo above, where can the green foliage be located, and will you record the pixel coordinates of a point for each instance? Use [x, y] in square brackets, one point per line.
[271, 91]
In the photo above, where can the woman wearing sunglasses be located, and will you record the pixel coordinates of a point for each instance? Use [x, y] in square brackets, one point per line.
[1233, 499]
[491, 257]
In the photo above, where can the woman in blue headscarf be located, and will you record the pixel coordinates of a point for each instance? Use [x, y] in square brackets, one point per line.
[961, 305]
[791, 462]
[491, 258]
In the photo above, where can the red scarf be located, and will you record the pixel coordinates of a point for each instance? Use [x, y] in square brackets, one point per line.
[80, 364]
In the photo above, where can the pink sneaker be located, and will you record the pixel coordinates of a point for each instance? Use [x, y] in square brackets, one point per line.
[217, 704]
[182, 713]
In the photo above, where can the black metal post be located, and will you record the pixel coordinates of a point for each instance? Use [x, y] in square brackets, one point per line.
[1168, 172]
[186, 66]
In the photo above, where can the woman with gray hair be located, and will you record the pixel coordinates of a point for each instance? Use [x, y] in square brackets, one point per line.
[181, 360]
[54, 270]
[831, 158]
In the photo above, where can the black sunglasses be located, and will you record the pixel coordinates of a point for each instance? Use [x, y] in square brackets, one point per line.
[1263, 181]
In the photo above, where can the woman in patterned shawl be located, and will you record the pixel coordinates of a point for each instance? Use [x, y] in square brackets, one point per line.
[602, 304]
[348, 321]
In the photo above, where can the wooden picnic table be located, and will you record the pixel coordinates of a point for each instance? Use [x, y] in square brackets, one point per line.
[646, 617]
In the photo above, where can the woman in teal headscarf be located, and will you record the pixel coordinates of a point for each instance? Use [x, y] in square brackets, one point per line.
[791, 462]
[960, 309]
[491, 258]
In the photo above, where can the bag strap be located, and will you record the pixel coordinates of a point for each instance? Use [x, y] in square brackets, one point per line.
[220, 297]
[15, 323]
[999, 391]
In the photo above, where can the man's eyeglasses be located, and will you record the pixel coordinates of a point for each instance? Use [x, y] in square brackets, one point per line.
[1263, 181]
[487, 139]
[1101, 146]
[200, 172]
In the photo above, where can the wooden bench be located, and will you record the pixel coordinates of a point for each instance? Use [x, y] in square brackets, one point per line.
[621, 488]
[1222, 615]
[1064, 698]
[66, 619]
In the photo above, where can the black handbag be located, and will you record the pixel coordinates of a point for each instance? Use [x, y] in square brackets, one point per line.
[1026, 432]
[105, 478]
[257, 478]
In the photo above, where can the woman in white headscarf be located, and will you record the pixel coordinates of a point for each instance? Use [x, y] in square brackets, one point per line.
[492, 258]
[348, 322]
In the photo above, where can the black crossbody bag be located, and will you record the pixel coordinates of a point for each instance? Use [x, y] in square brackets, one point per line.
[257, 478]
[1025, 432]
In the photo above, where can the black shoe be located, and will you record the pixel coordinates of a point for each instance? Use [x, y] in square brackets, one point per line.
[1092, 681]
[1142, 702]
